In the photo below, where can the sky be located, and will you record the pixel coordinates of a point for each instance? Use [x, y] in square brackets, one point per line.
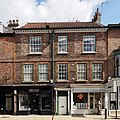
[59, 10]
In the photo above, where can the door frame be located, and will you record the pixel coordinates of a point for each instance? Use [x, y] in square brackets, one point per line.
[62, 92]
[93, 96]
[65, 105]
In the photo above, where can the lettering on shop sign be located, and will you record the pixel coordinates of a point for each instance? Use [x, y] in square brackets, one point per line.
[33, 90]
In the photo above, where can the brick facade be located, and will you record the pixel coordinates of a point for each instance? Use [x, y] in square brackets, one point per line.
[16, 49]
[113, 44]
[7, 59]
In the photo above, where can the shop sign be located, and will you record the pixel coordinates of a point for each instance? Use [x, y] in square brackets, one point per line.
[33, 90]
[88, 89]
[80, 96]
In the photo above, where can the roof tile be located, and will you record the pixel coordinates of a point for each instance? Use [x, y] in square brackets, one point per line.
[61, 25]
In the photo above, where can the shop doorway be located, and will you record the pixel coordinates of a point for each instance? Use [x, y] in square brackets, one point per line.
[92, 103]
[35, 103]
[6, 104]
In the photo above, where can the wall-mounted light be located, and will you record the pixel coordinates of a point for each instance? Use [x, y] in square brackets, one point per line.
[15, 92]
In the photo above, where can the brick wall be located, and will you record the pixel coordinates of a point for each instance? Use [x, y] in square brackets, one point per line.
[113, 44]
[7, 58]
[17, 50]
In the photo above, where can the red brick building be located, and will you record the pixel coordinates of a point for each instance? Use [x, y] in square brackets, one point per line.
[113, 67]
[54, 68]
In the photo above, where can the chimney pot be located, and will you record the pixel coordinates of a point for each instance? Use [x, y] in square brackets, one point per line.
[97, 16]
[13, 22]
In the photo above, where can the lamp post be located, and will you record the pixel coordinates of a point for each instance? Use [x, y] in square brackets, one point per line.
[116, 100]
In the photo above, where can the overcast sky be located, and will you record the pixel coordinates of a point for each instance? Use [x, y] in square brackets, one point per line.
[48, 10]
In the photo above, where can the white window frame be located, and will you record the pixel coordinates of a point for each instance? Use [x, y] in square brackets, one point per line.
[97, 71]
[62, 72]
[43, 72]
[35, 45]
[62, 44]
[81, 71]
[28, 72]
[89, 44]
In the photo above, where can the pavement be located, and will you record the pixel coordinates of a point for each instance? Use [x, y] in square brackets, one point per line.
[56, 117]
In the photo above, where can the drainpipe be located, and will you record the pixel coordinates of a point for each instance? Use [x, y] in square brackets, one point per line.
[53, 38]
[52, 66]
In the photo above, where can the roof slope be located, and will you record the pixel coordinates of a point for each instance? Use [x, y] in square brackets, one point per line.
[43, 25]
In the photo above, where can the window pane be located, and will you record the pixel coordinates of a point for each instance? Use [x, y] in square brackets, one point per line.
[36, 44]
[81, 100]
[117, 65]
[62, 43]
[28, 72]
[97, 71]
[43, 72]
[89, 43]
[81, 71]
[23, 102]
[62, 72]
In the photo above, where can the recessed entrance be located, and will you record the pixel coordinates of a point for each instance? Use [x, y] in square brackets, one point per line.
[34, 103]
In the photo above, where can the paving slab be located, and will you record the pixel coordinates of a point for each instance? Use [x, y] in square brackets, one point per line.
[55, 117]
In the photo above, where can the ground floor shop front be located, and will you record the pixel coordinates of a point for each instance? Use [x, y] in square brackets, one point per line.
[44, 100]
[87, 99]
[26, 100]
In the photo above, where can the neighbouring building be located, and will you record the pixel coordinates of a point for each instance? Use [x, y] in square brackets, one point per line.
[54, 68]
[113, 85]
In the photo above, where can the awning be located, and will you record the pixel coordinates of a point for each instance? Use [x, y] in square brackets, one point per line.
[93, 90]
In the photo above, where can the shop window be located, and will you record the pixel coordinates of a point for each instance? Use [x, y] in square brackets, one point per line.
[23, 102]
[80, 100]
[46, 102]
[113, 101]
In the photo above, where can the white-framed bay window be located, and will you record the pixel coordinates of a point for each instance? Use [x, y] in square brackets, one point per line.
[28, 72]
[35, 44]
[97, 71]
[62, 72]
[81, 71]
[23, 101]
[89, 45]
[62, 44]
[43, 72]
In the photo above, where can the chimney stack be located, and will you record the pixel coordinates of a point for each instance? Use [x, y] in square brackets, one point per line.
[13, 23]
[97, 16]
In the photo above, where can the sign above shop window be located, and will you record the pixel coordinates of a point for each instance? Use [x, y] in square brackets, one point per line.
[80, 96]
[33, 90]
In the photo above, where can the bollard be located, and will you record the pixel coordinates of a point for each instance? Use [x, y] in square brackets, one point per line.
[105, 113]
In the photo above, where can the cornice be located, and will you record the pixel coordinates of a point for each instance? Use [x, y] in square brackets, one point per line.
[26, 31]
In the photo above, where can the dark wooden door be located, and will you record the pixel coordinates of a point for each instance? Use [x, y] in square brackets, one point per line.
[35, 103]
